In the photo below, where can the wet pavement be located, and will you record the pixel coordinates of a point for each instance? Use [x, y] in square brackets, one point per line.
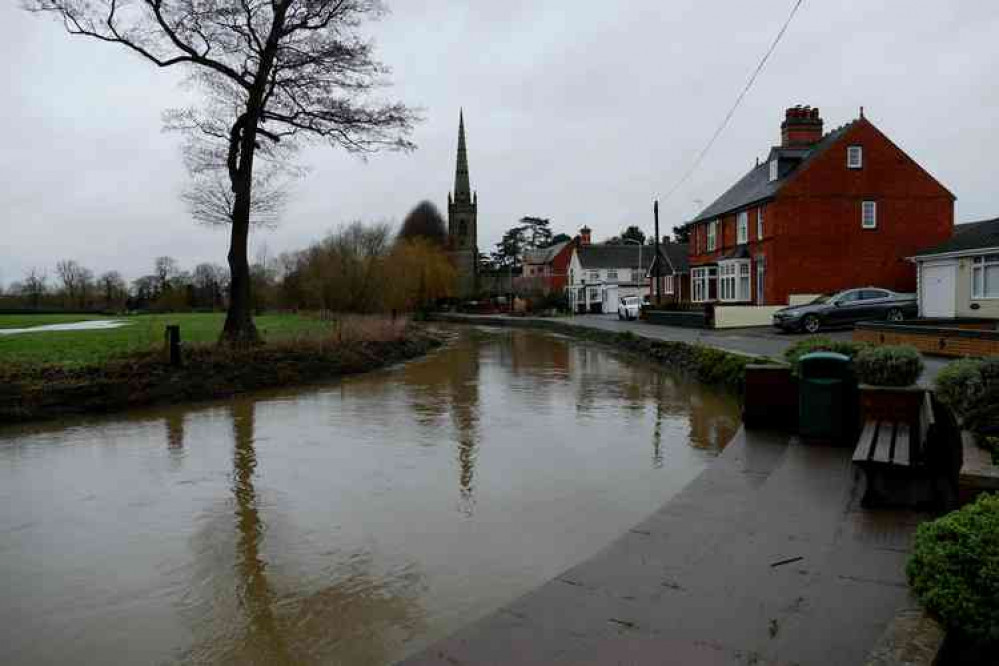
[766, 558]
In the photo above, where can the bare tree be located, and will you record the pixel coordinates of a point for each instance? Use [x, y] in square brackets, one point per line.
[165, 269]
[77, 282]
[34, 286]
[272, 71]
[113, 288]
[210, 281]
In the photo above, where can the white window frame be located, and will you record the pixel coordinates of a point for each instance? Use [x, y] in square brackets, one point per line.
[612, 275]
[869, 221]
[594, 276]
[734, 282]
[700, 281]
[712, 235]
[759, 223]
[773, 170]
[742, 228]
[854, 157]
[982, 288]
[668, 288]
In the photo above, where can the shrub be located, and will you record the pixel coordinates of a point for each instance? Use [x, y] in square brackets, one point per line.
[794, 353]
[954, 569]
[891, 365]
[959, 385]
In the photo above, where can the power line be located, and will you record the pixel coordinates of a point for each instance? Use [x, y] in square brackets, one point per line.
[738, 101]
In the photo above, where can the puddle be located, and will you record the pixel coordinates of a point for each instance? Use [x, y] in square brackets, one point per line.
[99, 325]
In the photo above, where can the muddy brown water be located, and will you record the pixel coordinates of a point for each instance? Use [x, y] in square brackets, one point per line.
[351, 523]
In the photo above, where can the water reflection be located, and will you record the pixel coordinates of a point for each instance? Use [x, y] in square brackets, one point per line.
[256, 611]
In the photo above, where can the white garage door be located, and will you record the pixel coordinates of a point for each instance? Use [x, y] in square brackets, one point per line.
[938, 290]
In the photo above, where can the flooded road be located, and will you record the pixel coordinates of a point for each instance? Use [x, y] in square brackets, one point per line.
[346, 524]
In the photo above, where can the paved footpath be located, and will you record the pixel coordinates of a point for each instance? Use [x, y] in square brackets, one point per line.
[765, 558]
[759, 341]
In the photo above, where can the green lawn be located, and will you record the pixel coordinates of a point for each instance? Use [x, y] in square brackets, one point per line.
[143, 332]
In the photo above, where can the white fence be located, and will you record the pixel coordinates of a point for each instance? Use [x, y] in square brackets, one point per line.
[738, 316]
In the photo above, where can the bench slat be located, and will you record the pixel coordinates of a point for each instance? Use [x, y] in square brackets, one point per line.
[902, 446]
[863, 451]
[882, 449]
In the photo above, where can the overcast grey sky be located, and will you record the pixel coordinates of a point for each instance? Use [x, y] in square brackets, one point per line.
[579, 112]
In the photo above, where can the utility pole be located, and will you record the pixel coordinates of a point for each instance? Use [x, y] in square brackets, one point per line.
[655, 259]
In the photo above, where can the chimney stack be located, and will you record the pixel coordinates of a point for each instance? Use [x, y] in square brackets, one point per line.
[802, 127]
[584, 235]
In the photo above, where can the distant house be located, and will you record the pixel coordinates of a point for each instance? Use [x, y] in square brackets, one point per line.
[960, 277]
[674, 272]
[546, 270]
[822, 213]
[602, 274]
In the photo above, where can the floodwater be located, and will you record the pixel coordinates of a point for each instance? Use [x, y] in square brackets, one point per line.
[351, 523]
[95, 325]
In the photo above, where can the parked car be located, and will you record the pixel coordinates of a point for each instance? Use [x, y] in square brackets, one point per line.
[629, 307]
[847, 307]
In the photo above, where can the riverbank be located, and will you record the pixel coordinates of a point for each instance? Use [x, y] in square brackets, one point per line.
[710, 365]
[30, 392]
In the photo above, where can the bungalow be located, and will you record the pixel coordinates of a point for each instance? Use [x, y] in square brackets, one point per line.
[600, 275]
[823, 212]
[960, 277]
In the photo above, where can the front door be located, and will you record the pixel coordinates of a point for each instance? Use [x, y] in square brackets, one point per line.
[938, 290]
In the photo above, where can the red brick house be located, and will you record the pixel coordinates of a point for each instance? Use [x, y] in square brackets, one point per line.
[546, 270]
[824, 212]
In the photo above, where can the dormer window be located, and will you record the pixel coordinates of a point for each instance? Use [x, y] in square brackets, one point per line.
[773, 170]
[854, 157]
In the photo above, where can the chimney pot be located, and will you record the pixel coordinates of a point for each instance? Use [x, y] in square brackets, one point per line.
[802, 127]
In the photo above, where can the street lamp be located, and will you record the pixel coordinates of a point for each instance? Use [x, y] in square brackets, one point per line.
[632, 240]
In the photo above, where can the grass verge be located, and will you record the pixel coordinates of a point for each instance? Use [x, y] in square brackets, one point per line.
[31, 392]
[141, 333]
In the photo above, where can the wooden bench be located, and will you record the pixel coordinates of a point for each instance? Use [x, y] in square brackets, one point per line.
[892, 456]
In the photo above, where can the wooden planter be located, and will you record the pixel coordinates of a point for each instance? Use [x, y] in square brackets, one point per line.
[770, 396]
[891, 403]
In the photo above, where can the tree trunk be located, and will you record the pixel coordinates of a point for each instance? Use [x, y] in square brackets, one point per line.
[239, 328]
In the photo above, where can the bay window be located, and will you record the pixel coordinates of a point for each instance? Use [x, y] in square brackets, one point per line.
[701, 280]
[733, 280]
[985, 276]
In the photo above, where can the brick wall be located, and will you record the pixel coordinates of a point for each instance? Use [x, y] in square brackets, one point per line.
[930, 342]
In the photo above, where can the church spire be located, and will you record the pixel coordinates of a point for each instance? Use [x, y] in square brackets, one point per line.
[462, 189]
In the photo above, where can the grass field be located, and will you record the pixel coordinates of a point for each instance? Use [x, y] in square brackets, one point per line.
[143, 332]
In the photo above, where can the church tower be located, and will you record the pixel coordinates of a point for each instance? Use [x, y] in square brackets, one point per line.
[462, 221]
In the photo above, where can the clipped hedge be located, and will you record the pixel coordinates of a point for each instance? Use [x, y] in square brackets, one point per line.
[821, 343]
[954, 569]
[891, 365]
[959, 385]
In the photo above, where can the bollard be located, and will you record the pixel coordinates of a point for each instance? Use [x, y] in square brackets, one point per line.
[173, 345]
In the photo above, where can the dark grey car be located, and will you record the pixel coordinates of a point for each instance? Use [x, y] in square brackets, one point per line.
[845, 308]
